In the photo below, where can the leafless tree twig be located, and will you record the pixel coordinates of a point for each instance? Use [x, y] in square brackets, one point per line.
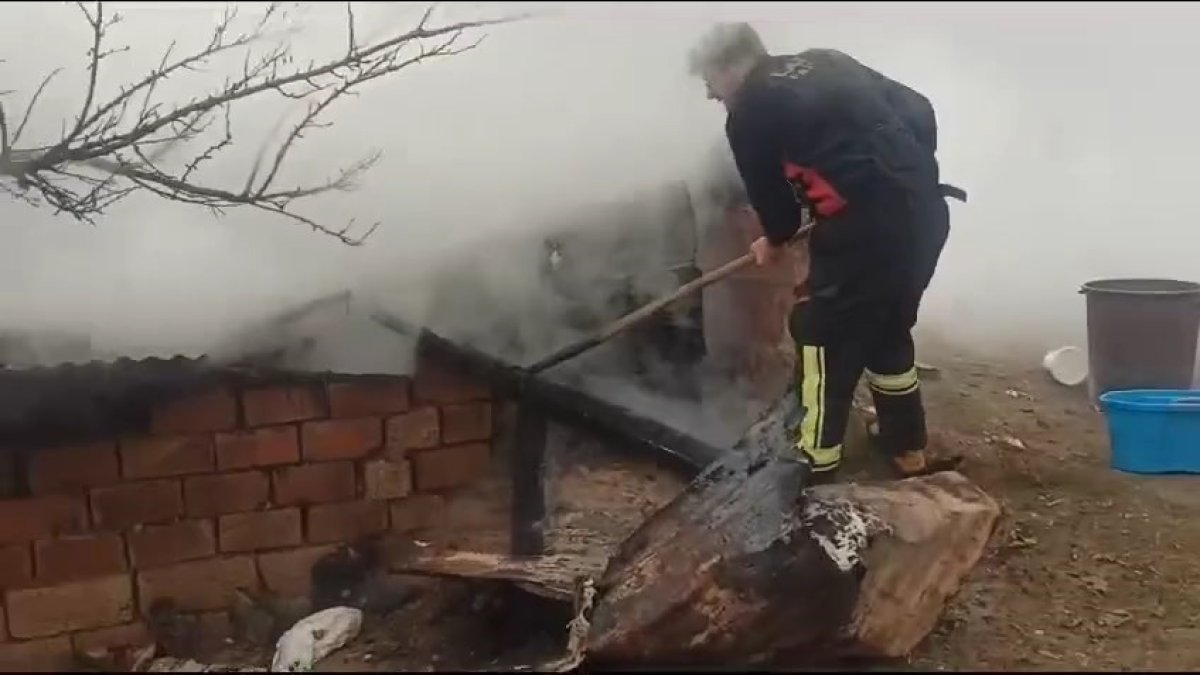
[115, 146]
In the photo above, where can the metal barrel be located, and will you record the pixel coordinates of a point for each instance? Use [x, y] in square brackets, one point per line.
[1141, 334]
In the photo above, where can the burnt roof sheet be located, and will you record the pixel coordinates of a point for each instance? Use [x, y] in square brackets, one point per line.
[68, 402]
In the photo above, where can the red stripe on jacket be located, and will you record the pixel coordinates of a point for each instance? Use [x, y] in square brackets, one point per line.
[824, 198]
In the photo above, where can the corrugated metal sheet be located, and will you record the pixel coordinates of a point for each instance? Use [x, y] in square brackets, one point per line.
[68, 402]
[71, 402]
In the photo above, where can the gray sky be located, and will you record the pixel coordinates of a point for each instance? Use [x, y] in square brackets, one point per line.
[1070, 125]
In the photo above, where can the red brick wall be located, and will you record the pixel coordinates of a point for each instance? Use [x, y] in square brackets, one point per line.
[237, 486]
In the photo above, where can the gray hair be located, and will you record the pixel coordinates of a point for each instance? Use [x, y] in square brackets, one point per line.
[724, 45]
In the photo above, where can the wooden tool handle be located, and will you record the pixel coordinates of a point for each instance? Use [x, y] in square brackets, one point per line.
[730, 268]
[644, 312]
[641, 314]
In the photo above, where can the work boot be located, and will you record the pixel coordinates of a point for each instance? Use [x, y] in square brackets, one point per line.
[916, 462]
[826, 477]
[823, 473]
[814, 477]
[823, 477]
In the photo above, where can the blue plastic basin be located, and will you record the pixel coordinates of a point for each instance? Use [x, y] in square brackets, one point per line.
[1154, 430]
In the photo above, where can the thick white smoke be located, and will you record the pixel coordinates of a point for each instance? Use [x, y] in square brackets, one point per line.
[1069, 126]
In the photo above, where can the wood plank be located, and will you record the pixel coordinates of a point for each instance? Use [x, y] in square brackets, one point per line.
[552, 576]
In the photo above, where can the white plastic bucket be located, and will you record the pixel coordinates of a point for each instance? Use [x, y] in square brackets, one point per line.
[1067, 365]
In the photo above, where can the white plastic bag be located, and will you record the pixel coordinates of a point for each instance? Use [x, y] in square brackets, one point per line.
[314, 637]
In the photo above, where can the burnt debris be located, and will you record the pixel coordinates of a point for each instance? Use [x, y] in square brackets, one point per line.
[609, 421]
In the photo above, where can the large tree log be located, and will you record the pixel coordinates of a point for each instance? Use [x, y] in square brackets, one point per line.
[747, 566]
[742, 570]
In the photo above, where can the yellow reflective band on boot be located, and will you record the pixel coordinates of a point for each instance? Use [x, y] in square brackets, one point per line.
[894, 385]
[812, 395]
[824, 459]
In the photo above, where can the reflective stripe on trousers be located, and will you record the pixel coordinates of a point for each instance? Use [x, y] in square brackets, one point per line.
[894, 385]
[812, 397]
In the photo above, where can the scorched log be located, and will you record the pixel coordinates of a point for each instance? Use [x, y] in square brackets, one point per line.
[746, 568]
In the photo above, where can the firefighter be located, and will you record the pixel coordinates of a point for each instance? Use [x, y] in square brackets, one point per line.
[821, 133]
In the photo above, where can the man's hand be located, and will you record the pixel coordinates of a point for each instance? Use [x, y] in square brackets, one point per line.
[765, 253]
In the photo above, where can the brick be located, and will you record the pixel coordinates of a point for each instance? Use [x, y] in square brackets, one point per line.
[289, 573]
[383, 479]
[16, 567]
[451, 466]
[466, 422]
[70, 468]
[122, 506]
[160, 457]
[347, 521]
[261, 530]
[78, 558]
[161, 545]
[313, 484]
[368, 398]
[417, 512]
[418, 429]
[102, 639]
[212, 410]
[341, 439]
[226, 493]
[199, 585]
[79, 605]
[52, 655]
[24, 520]
[434, 384]
[277, 405]
[268, 446]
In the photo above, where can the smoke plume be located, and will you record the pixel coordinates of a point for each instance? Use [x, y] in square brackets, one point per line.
[1065, 123]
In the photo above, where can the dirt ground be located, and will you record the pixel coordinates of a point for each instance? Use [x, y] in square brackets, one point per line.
[1089, 569]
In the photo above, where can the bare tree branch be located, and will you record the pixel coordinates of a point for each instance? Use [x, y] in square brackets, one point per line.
[4, 146]
[351, 43]
[97, 24]
[33, 102]
[112, 149]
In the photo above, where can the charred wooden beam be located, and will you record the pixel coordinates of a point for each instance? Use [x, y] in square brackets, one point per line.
[529, 480]
[609, 421]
